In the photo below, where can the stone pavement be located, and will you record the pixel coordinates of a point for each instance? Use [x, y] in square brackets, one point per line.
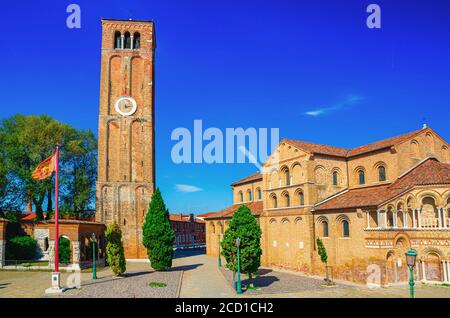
[204, 280]
[201, 279]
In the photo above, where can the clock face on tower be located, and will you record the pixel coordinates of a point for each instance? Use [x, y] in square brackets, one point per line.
[126, 106]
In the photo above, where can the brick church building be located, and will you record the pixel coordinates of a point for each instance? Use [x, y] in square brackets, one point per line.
[369, 205]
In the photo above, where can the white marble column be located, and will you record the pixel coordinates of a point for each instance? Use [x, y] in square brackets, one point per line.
[385, 219]
[424, 274]
[132, 37]
[122, 41]
[444, 269]
[419, 217]
[414, 218]
[378, 219]
[405, 219]
[440, 218]
[2, 252]
[448, 270]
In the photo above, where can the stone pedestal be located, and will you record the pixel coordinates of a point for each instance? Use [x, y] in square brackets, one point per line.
[56, 285]
[2, 252]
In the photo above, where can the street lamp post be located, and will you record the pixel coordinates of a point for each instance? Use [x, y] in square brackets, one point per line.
[94, 258]
[238, 284]
[411, 262]
[219, 260]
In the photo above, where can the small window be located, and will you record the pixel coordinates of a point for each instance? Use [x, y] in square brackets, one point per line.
[250, 196]
[117, 40]
[382, 173]
[302, 198]
[274, 201]
[287, 200]
[241, 196]
[345, 228]
[127, 40]
[259, 194]
[136, 41]
[325, 229]
[335, 178]
[362, 177]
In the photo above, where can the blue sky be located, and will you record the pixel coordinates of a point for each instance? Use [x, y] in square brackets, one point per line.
[311, 68]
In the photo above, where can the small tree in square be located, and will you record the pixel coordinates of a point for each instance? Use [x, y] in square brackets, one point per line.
[321, 250]
[158, 235]
[243, 225]
[114, 249]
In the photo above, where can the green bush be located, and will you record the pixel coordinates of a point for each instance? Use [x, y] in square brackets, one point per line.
[158, 235]
[21, 248]
[64, 250]
[114, 249]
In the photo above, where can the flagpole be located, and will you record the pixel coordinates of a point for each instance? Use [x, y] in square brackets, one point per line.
[57, 210]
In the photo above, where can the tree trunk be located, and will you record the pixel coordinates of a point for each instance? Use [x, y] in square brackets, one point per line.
[29, 203]
[326, 271]
[250, 278]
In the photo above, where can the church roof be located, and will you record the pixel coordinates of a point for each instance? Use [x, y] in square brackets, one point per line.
[255, 207]
[252, 178]
[428, 172]
[346, 153]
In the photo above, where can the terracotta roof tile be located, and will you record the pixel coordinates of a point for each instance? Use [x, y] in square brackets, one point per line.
[317, 148]
[429, 172]
[255, 207]
[383, 143]
[254, 177]
[345, 153]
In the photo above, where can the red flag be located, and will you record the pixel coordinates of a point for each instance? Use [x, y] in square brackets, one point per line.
[45, 169]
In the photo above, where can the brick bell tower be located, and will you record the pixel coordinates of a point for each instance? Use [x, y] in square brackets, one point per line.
[126, 166]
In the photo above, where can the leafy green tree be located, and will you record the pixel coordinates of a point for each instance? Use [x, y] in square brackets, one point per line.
[28, 140]
[114, 249]
[243, 225]
[158, 235]
[321, 250]
[64, 250]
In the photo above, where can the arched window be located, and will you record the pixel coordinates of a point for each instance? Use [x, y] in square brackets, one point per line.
[325, 229]
[301, 197]
[345, 228]
[361, 177]
[381, 173]
[127, 40]
[274, 202]
[136, 41]
[250, 195]
[117, 40]
[241, 196]
[259, 194]
[286, 199]
[335, 178]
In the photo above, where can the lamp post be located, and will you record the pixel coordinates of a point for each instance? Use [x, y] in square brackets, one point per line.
[94, 257]
[238, 284]
[411, 262]
[219, 260]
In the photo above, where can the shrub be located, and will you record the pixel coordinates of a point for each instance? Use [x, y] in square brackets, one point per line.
[64, 250]
[114, 249]
[21, 248]
[158, 235]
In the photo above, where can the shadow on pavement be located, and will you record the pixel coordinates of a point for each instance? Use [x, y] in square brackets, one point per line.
[186, 267]
[189, 252]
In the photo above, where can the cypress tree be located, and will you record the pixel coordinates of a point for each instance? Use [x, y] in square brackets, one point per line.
[244, 226]
[157, 234]
[322, 251]
[114, 249]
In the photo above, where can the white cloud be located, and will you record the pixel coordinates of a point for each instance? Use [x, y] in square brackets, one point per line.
[186, 188]
[349, 101]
